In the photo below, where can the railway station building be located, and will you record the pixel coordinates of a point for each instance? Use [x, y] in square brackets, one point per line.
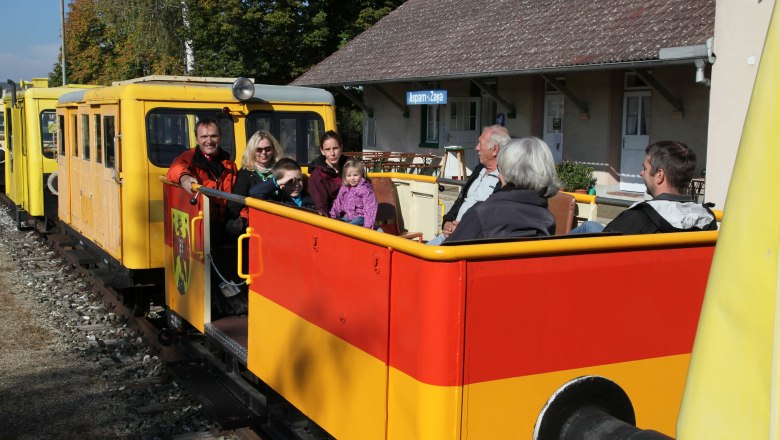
[598, 81]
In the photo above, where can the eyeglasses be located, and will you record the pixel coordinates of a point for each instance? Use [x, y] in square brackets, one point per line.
[264, 149]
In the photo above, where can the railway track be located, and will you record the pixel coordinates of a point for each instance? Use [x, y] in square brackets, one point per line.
[190, 359]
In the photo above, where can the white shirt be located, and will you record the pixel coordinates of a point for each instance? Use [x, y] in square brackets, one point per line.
[479, 191]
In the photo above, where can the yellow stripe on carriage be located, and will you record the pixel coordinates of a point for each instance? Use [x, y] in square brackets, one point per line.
[340, 387]
[508, 408]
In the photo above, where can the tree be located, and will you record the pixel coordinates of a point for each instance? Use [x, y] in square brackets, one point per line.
[107, 41]
[272, 41]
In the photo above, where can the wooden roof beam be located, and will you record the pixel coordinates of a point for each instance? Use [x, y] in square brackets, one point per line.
[392, 99]
[559, 86]
[511, 110]
[355, 100]
[658, 87]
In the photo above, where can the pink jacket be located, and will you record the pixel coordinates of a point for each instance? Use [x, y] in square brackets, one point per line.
[358, 201]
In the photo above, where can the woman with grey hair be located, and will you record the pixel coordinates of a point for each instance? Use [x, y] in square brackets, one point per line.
[527, 173]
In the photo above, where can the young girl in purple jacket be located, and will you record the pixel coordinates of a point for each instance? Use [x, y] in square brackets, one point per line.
[356, 202]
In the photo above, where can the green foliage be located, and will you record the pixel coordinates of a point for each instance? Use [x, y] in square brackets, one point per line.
[107, 40]
[272, 41]
[350, 126]
[575, 175]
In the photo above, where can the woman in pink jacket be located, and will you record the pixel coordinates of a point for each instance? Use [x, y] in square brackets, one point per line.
[356, 202]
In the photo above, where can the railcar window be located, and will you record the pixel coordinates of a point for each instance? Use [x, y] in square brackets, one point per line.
[169, 132]
[109, 141]
[10, 135]
[298, 132]
[73, 137]
[61, 135]
[85, 136]
[98, 141]
[288, 137]
[48, 130]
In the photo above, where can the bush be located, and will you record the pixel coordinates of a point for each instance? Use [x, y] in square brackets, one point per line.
[574, 175]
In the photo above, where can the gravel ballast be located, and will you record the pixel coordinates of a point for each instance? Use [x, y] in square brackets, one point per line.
[69, 368]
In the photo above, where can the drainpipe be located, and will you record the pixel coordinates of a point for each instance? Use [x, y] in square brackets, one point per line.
[700, 77]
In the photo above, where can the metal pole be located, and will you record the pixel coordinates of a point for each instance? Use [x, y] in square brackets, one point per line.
[62, 27]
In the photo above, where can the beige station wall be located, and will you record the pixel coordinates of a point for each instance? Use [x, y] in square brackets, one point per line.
[689, 127]
[586, 138]
[740, 31]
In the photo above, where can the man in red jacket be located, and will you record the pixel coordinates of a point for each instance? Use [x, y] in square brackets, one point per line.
[211, 166]
[208, 165]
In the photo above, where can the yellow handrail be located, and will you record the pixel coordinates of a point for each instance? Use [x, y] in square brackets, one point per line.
[192, 233]
[239, 270]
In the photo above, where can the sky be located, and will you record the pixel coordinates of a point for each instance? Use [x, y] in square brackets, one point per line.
[30, 32]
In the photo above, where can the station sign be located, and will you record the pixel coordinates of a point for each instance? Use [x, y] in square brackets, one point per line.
[426, 97]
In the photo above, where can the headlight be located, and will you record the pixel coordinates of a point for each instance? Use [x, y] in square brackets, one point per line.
[243, 89]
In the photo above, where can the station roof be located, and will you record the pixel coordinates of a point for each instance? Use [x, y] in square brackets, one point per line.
[424, 40]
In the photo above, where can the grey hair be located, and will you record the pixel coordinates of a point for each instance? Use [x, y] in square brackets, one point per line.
[527, 163]
[499, 135]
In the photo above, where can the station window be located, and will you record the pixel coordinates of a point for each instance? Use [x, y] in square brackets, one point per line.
[85, 136]
[169, 132]
[634, 82]
[429, 123]
[98, 141]
[297, 132]
[109, 136]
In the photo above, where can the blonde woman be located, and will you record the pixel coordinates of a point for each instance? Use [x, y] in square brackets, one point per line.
[262, 152]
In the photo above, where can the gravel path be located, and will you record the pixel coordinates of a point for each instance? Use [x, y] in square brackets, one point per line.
[71, 369]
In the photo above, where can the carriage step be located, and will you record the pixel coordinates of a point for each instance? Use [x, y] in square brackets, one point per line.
[63, 241]
[82, 257]
[112, 278]
[216, 392]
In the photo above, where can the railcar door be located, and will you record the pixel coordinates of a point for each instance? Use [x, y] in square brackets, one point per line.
[24, 164]
[75, 169]
[85, 169]
[110, 216]
[67, 127]
[95, 177]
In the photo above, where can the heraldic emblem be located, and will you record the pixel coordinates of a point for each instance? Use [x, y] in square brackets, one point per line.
[180, 222]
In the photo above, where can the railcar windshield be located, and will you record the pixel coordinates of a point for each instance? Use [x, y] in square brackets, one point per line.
[169, 132]
[298, 132]
[48, 130]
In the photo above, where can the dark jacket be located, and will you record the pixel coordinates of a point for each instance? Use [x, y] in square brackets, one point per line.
[665, 213]
[507, 213]
[324, 183]
[268, 190]
[245, 179]
[452, 214]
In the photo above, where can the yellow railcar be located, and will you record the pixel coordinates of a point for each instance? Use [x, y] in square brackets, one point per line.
[31, 154]
[118, 140]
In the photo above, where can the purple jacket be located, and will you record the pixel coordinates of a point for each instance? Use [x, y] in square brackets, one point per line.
[359, 201]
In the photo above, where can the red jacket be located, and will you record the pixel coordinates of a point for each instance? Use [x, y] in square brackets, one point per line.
[218, 173]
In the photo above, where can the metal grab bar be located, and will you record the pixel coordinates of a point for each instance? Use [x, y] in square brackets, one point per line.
[192, 234]
[239, 270]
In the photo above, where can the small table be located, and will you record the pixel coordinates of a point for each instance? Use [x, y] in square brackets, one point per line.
[460, 155]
